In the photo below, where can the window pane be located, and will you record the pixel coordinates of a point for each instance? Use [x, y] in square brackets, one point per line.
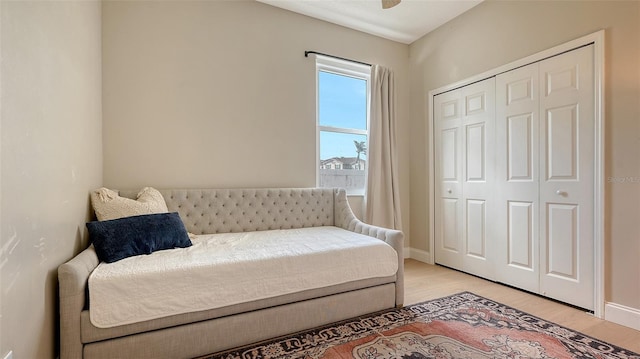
[342, 160]
[342, 101]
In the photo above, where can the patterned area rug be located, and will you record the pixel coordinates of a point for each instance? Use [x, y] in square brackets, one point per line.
[460, 326]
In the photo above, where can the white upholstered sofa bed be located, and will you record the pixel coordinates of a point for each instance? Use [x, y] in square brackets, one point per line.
[325, 263]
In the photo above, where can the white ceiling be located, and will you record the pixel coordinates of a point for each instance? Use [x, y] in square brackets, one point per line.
[406, 22]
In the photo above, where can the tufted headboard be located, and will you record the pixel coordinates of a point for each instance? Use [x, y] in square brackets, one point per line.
[244, 210]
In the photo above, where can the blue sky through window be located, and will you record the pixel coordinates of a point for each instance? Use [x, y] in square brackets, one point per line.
[333, 144]
[342, 102]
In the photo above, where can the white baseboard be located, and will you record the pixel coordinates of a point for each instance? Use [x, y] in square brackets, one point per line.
[406, 252]
[420, 255]
[623, 315]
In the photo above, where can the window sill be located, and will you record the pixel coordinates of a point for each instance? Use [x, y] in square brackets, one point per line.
[355, 195]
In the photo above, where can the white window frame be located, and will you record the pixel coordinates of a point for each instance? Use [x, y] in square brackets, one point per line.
[349, 69]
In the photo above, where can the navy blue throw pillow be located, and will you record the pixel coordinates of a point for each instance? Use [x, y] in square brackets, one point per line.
[117, 239]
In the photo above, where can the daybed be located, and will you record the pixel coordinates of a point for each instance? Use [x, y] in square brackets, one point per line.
[198, 333]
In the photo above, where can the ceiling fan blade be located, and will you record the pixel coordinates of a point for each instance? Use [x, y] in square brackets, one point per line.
[387, 4]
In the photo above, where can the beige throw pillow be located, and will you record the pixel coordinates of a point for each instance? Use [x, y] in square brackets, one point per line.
[109, 205]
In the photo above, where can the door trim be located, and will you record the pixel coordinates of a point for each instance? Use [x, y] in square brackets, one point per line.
[597, 39]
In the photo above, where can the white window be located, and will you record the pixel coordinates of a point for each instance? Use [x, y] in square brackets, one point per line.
[343, 92]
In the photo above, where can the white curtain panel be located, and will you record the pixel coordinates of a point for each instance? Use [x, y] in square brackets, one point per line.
[383, 195]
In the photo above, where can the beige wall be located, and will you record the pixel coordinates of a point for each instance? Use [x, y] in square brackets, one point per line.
[51, 157]
[498, 32]
[219, 94]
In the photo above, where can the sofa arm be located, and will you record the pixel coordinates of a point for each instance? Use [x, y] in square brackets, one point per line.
[72, 278]
[344, 218]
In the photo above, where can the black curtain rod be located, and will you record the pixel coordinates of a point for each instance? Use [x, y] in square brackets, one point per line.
[306, 54]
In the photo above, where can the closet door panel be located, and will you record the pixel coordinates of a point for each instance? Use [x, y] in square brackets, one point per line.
[464, 157]
[476, 153]
[476, 229]
[477, 187]
[567, 180]
[562, 241]
[520, 232]
[519, 150]
[450, 229]
[562, 143]
[449, 158]
[448, 113]
[516, 171]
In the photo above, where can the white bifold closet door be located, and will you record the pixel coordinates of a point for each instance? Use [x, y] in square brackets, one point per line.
[517, 172]
[536, 187]
[545, 132]
[465, 128]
